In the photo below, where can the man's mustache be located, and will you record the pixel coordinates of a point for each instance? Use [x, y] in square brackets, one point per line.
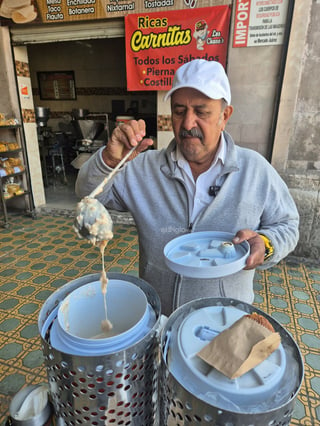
[194, 133]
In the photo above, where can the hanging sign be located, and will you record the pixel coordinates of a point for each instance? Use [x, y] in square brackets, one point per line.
[259, 22]
[30, 12]
[159, 43]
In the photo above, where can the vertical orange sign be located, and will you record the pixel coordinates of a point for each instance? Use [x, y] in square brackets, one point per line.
[241, 25]
[159, 43]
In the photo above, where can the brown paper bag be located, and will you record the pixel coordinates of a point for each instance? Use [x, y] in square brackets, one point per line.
[240, 348]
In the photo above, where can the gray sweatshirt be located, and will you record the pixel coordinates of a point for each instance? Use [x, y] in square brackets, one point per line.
[252, 196]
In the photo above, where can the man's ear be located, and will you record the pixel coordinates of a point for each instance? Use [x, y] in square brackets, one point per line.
[227, 112]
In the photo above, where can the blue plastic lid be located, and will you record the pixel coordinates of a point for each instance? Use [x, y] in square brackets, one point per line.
[195, 332]
[207, 254]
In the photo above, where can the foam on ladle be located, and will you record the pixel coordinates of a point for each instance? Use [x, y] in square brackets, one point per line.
[106, 325]
[94, 223]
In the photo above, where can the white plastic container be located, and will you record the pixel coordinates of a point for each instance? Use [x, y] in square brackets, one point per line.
[30, 406]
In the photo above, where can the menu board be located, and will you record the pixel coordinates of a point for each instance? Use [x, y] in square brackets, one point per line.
[56, 85]
[60, 11]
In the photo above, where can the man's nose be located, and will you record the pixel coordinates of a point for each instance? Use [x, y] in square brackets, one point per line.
[189, 120]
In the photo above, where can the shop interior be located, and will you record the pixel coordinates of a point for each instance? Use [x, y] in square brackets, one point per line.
[79, 94]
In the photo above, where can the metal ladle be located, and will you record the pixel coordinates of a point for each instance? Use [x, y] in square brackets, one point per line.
[92, 220]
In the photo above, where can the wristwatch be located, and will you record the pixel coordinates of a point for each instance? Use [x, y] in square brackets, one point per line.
[268, 246]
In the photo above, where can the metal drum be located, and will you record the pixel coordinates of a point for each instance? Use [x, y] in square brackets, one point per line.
[42, 116]
[194, 393]
[118, 388]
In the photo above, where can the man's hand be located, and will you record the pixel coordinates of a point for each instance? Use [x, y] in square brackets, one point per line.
[123, 138]
[257, 247]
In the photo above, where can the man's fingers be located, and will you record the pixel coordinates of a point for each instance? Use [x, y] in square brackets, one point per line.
[257, 247]
[132, 132]
[242, 235]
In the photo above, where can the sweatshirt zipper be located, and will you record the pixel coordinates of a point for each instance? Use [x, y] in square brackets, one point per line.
[190, 226]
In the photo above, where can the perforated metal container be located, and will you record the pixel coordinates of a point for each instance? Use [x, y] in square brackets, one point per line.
[186, 396]
[119, 388]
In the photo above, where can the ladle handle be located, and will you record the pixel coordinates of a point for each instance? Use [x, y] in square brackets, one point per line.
[100, 187]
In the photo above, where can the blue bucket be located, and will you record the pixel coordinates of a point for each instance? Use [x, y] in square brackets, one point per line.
[76, 329]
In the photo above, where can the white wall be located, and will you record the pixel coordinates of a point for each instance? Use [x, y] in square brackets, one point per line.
[30, 128]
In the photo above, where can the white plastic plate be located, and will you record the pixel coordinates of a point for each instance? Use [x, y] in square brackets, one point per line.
[207, 254]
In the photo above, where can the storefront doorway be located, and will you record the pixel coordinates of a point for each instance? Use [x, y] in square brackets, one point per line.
[70, 129]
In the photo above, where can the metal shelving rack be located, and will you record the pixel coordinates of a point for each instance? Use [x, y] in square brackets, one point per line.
[22, 176]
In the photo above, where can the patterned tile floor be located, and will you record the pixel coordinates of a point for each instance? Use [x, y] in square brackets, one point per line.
[38, 256]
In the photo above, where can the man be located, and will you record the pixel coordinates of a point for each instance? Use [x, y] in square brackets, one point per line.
[201, 182]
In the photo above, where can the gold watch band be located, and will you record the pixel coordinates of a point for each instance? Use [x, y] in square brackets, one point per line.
[268, 246]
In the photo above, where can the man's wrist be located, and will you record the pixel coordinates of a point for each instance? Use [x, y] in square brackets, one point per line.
[110, 162]
[269, 249]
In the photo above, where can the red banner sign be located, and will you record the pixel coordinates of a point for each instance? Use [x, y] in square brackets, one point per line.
[159, 43]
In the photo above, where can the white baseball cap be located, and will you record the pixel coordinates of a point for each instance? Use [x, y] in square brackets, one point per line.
[209, 77]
